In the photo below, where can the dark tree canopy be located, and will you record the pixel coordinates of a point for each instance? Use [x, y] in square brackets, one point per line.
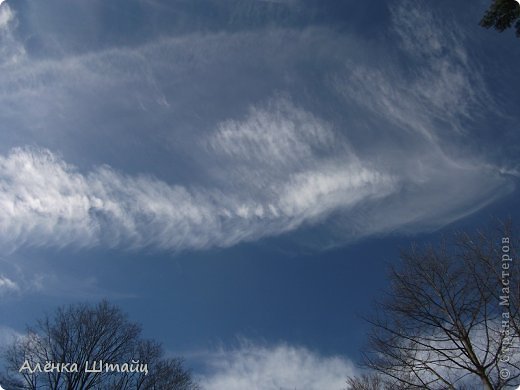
[84, 333]
[501, 15]
[450, 319]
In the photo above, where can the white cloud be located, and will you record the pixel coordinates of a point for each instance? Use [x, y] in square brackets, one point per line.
[276, 169]
[45, 201]
[280, 367]
[11, 50]
[269, 171]
[442, 96]
[7, 285]
[6, 17]
[276, 135]
[22, 275]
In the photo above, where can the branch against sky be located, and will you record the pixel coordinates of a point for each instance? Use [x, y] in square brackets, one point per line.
[441, 324]
[86, 334]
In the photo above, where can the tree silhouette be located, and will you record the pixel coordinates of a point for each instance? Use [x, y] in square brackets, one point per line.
[367, 382]
[450, 319]
[501, 15]
[87, 334]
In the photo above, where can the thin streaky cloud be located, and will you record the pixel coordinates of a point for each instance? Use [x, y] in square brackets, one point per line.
[46, 201]
[282, 366]
[11, 50]
[267, 171]
[7, 285]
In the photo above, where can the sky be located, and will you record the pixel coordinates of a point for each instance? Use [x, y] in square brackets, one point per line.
[237, 175]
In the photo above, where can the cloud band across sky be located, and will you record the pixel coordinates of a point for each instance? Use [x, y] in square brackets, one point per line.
[276, 367]
[45, 201]
[397, 161]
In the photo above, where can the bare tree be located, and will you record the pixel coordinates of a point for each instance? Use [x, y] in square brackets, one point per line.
[367, 382]
[105, 347]
[450, 319]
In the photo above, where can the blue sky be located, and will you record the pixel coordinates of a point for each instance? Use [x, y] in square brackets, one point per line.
[236, 174]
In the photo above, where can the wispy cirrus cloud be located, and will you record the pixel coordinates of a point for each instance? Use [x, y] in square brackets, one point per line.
[22, 276]
[396, 160]
[275, 367]
[11, 50]
[6, 16]
[46, 201]
[441, 94]
[7, 285]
